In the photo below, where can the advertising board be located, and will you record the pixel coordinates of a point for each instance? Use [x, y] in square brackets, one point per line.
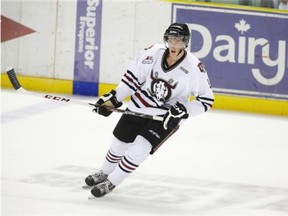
[244, 51]
[87, 47]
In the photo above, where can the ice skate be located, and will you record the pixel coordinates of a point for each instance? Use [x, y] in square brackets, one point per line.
[96, 178]
[102, 189]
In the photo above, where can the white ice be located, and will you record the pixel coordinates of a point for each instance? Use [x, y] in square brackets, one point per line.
[220, 163]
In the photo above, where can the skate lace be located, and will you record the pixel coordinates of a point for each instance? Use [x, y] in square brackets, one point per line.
[106, 186]
[99, 176]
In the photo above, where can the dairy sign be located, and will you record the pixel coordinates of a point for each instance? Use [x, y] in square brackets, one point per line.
[87, 47]
[245, 52]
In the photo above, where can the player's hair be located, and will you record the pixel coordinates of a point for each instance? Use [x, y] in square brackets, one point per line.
[178, 29]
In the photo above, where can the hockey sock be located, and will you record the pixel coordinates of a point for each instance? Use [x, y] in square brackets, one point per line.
[114, 155]
[132, 159]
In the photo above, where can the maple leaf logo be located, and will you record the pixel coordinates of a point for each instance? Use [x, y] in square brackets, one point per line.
[242, 26]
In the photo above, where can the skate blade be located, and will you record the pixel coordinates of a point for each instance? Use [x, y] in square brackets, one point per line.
[87, 187]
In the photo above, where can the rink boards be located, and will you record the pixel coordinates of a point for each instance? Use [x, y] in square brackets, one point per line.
[228, 102]
[246, 56]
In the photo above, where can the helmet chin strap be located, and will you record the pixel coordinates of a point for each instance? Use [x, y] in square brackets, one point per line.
[179, 52]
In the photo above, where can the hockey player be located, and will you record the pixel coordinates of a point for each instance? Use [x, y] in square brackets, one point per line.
[160, 81]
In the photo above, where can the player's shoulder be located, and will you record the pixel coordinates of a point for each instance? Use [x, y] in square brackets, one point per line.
[148, 54]
[192, 58]
[195, 64]
[155, 48]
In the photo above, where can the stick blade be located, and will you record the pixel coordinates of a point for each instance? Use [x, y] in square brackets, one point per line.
[13, 78]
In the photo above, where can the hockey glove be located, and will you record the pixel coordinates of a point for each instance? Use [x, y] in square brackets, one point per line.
[108, 100]
[174, 116]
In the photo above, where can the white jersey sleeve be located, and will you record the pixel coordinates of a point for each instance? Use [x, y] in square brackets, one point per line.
[203, 96]
[199, 87]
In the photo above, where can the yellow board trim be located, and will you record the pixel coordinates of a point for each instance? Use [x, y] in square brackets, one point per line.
[105, 87]
[249, 104]
[40, 84]
[227, 102]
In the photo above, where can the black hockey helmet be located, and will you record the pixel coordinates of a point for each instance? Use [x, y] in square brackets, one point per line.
[178, 29]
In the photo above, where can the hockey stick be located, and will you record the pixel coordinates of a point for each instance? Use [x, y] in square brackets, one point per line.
[17, 86]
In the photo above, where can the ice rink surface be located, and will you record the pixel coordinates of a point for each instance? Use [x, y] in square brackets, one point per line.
[218, 164]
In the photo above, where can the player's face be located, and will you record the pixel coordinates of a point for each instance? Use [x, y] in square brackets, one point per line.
[175, 42]
[175, 45]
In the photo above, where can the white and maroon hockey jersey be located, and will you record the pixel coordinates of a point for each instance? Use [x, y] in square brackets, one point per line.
[154, 86]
